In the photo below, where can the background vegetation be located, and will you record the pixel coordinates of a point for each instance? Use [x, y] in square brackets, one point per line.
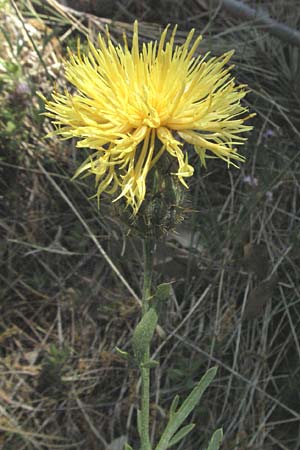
[70, 274]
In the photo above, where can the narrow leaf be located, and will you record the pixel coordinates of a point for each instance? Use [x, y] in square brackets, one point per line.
[122, 353]
[127, 447]
[191, 401]
[181, 434]
[216, 440]
[185, 409]
[173, 406]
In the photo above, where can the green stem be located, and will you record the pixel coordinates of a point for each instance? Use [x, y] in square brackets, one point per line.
[145, 372]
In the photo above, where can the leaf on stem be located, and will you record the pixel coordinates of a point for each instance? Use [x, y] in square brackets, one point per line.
[173, 406]
[181, 434]
[127, 447]
[216, 440]
[125, 355]
[191, 401]
[143, 334]
[177, 418]
[151, 364]
[162, 292]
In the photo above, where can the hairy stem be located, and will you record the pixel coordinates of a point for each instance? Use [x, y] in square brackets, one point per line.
[145, 372]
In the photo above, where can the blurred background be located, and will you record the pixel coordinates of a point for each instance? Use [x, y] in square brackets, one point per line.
[70, 275]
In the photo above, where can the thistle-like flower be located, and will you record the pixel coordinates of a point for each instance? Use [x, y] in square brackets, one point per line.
[134, 106]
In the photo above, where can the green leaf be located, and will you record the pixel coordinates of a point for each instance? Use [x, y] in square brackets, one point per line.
[122, 353]
[173, 406]
[191, 401]
[181, 434]
[150, 364]
[143, 334]
[127, 447]
[162, 292]
[216, 440]
[185, 409]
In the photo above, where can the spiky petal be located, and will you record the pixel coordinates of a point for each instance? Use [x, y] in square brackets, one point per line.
[132, 106]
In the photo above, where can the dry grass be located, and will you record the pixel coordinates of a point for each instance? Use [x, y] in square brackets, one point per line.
[70, 275]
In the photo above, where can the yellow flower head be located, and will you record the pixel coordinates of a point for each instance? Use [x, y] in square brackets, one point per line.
[134, 106]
